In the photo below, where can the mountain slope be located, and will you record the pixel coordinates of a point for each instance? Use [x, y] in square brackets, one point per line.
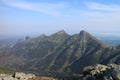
[33, 50]
[59, 53]
[72, 54]
[76, 48]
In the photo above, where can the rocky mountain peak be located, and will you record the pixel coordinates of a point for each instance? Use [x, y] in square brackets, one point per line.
[43, 35]
[87, 37]
[84, 33]
[61, 32]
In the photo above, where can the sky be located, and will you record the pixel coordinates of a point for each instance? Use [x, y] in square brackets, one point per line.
[31, 17]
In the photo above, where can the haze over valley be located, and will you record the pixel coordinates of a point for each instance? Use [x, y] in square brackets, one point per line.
[59, 40]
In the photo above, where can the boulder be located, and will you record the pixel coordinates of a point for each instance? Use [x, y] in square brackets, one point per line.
[16, 76]
[102, 72]
[23, 76]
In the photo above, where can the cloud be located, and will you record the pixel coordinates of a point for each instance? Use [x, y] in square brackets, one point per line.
[102, 7]
[100, 17]
[54, 9]
[98, 10]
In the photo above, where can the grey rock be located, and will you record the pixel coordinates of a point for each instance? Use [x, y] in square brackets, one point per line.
[16, 76]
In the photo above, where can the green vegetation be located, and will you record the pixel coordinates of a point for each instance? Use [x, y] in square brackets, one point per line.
[59, 53]
[6, 71]
[43, 78]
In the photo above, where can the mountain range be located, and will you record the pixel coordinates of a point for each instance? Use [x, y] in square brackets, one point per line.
[59, 53]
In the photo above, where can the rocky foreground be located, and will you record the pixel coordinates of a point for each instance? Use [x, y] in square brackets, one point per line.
[16, 76]
[23, 76]
[102, 72]
[96, 72]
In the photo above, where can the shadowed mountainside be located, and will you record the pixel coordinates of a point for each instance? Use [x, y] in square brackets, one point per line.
[59, 53]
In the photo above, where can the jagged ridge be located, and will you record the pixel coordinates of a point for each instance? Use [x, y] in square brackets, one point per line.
[61, 53]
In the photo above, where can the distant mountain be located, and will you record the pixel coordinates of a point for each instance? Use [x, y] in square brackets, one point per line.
[7, 42]
[59, 53]
[109, 39]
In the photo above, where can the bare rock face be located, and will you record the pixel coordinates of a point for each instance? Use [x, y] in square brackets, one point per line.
[16, 76]
[19, 75]
[9, 78]
[23, 76]
[102, 72]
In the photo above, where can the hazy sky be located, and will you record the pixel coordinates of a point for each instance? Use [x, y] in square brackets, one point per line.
[23, 17]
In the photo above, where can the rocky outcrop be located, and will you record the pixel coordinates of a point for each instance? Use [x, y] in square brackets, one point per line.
[102, 72]
[16, 76]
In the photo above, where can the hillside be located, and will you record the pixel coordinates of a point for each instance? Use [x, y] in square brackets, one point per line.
[59, 53]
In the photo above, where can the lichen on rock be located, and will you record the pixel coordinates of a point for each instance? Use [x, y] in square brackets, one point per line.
[102, 72]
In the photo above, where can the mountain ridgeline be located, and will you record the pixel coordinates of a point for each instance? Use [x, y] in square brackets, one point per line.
[59, 53]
